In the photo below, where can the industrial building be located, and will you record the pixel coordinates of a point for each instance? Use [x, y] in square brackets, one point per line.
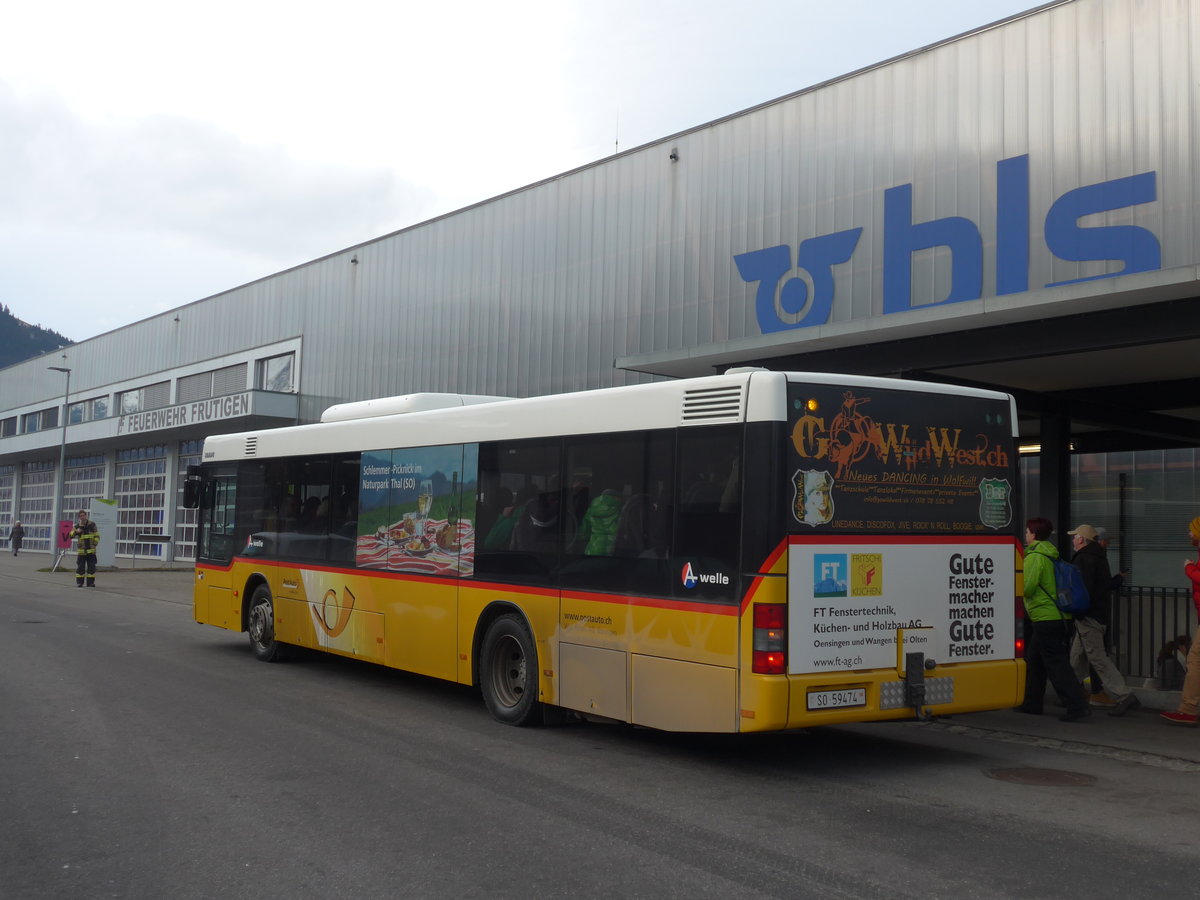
[1015, 207]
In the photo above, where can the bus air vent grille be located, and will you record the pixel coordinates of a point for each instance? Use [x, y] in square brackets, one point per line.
[252, 446]
[703, 406]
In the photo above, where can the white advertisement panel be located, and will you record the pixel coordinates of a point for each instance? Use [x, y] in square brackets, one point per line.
[104, 514]
[848, 599]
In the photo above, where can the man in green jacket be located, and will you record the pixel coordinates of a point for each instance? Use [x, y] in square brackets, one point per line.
[1048, 655]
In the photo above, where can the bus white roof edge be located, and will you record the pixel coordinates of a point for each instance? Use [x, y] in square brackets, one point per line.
[404, 403]
[750, 395]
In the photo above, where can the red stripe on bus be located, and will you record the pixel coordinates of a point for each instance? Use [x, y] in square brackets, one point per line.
[773, 557]
[716, 609]
[720, 609]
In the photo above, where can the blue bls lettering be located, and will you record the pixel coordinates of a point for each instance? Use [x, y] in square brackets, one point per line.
[1012, 225]
[806, 298]
[780, 304]
[902, 238]
[1137, 247]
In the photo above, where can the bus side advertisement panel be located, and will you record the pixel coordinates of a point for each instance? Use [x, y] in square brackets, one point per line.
[417, 510]
[848, 599]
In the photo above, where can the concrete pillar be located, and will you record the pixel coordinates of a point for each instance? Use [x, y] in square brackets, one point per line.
[1054, 488]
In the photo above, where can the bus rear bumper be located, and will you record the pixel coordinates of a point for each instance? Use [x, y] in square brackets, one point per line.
[777, 702]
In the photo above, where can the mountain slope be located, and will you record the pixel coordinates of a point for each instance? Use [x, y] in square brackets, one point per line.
[20, 340]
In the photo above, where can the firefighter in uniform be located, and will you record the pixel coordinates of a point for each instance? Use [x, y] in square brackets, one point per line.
[87, 539]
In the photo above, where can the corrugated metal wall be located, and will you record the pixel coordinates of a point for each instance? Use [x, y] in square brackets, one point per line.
[540, 290]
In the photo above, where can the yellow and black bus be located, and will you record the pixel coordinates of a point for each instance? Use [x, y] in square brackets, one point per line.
[744, 552]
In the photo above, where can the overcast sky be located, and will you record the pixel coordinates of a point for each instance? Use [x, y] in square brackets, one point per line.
[153, 153]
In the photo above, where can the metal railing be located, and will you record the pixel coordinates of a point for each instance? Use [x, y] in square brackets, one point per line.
[1143, 620]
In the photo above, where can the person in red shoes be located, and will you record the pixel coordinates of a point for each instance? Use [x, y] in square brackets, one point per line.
[1189, 702]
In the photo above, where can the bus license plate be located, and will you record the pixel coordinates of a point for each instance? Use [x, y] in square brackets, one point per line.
[837, 699]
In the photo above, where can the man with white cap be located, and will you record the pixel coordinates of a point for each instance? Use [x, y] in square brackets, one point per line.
[1087, 648]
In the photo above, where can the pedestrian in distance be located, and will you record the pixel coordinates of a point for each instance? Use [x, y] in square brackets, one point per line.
[87, 538]
[1048, 656]
[16, 536]
[1087, 647]
[1099, 697]
[1118, 579]
[1189, 700]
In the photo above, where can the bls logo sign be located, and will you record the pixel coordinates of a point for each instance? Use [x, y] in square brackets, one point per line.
[801, 294]
[807, 297]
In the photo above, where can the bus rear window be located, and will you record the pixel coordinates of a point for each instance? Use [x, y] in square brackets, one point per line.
[870, 460]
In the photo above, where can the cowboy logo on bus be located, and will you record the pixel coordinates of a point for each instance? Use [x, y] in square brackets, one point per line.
[812, 503]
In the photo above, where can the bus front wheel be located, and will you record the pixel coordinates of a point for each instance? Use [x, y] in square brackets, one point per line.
[260, 623]
[508, 671]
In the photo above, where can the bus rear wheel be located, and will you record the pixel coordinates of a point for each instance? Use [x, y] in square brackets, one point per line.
[260, 623]
[508, 671]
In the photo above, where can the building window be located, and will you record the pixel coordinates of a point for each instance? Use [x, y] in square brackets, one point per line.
[129, 401]
[8, 427]
[37, 505]
[87, 410]
[84, 484]
[194, 387]
[229, 380]
[141, 493]
[215, 383]
[40, 420]
[276, 373]
[8, 482]
[185, 518]
[153, 396]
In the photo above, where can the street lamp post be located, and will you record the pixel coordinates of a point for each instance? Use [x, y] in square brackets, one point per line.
[60, 490]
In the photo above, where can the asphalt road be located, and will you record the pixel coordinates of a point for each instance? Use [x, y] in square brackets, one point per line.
[146, 756]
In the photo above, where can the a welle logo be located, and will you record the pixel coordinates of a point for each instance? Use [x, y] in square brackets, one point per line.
[799, 292]
[691, 578]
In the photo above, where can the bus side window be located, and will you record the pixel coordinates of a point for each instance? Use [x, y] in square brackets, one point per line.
[523, 539]
[217, 519]
[306, 489]
[708, 515]
[343, 509]
[285, 509]
[621, 485]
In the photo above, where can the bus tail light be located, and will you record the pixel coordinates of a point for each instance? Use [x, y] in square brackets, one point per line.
[1019, 633]
[770, 639]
